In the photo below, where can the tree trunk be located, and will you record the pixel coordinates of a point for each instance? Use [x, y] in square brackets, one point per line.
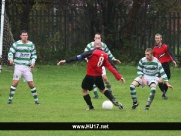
[24, 20]
[131, 19]
[108, 15]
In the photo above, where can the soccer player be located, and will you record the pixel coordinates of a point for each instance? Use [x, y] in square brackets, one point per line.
[23, 55]
[96, 60]
[147, 70]
[163, 53]
[89, 47]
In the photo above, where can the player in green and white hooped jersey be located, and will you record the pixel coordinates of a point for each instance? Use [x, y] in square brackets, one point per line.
[23, 55]
[90, 46]
[148, 69]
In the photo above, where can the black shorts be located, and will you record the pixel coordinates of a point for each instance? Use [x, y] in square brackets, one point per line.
[89, 81]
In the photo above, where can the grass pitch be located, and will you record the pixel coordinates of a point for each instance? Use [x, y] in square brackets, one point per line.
[59, 92]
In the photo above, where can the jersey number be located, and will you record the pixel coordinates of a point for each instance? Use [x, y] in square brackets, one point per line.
[101, 59]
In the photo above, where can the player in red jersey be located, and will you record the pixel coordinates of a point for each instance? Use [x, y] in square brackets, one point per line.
[163, 53]
[96, 60]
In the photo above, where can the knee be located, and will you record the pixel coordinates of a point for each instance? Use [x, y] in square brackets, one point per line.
[132, 86]
[84, 92]
[153, 89]
[15, 84]
[31, 84]
[105, 79]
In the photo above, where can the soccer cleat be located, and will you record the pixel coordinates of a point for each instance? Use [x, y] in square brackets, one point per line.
[90, 108]
[164, 96]
[37, 102]
[96, 97]
[135, 105]
[118, 104]
[9, 102]
[147, 107]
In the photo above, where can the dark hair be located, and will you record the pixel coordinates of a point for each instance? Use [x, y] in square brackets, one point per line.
[23, 31]
[97, 34]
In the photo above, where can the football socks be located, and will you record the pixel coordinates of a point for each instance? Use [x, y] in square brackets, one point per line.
[11, 94]
[88, 100]
[151, 95]
[133, 93]
[34, 93]
[95, 90]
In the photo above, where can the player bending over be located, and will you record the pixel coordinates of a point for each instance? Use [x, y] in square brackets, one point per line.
[96, 60]
[148, 69]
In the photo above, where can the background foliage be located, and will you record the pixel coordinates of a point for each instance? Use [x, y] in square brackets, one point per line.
[63, 28]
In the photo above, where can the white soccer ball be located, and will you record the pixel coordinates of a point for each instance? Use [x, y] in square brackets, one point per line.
[107, 105]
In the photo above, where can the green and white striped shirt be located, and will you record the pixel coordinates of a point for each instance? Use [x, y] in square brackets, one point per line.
[90, 46]
[23, 54]
[152, 68]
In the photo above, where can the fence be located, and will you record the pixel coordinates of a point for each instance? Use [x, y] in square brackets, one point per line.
[62, 29]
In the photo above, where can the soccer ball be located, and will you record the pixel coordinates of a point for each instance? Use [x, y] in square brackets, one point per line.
[107, 105]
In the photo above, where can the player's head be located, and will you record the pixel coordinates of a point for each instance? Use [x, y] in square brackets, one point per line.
[158, 39]
[97, 43]
[24, 35]
[149, 54]
[97, 36]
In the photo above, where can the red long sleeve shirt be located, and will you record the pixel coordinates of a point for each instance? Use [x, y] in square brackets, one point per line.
[163, 53]
[96, 59]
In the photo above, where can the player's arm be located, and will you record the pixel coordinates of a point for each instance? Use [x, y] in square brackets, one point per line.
[140, 72]
[117, 75]
[11, 52]
[110, 55]
[163, 75]
[76, 58]
[172, 55]
[87, 48]
[106, 49]
[33, 56]
[111, 62]
[140, 69]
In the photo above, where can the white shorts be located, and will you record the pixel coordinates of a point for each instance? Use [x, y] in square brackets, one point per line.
[149, 79]
[103, 71]
[22, 71]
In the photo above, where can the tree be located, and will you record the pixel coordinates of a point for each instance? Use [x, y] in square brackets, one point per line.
[131, 19]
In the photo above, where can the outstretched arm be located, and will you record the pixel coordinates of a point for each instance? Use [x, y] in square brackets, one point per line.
[75, 58]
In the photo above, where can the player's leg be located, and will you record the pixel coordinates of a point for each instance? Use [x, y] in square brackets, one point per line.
[151, 95]
[96, 96]
[163, 87]
[16, 77]
[12, 91]
[105, 79]
[100, 84]
[28, 77]
[137, 81]
[87, 84]
[167, 71]
[107, 83]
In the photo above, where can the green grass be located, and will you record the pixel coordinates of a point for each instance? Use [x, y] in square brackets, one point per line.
[59, 91]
